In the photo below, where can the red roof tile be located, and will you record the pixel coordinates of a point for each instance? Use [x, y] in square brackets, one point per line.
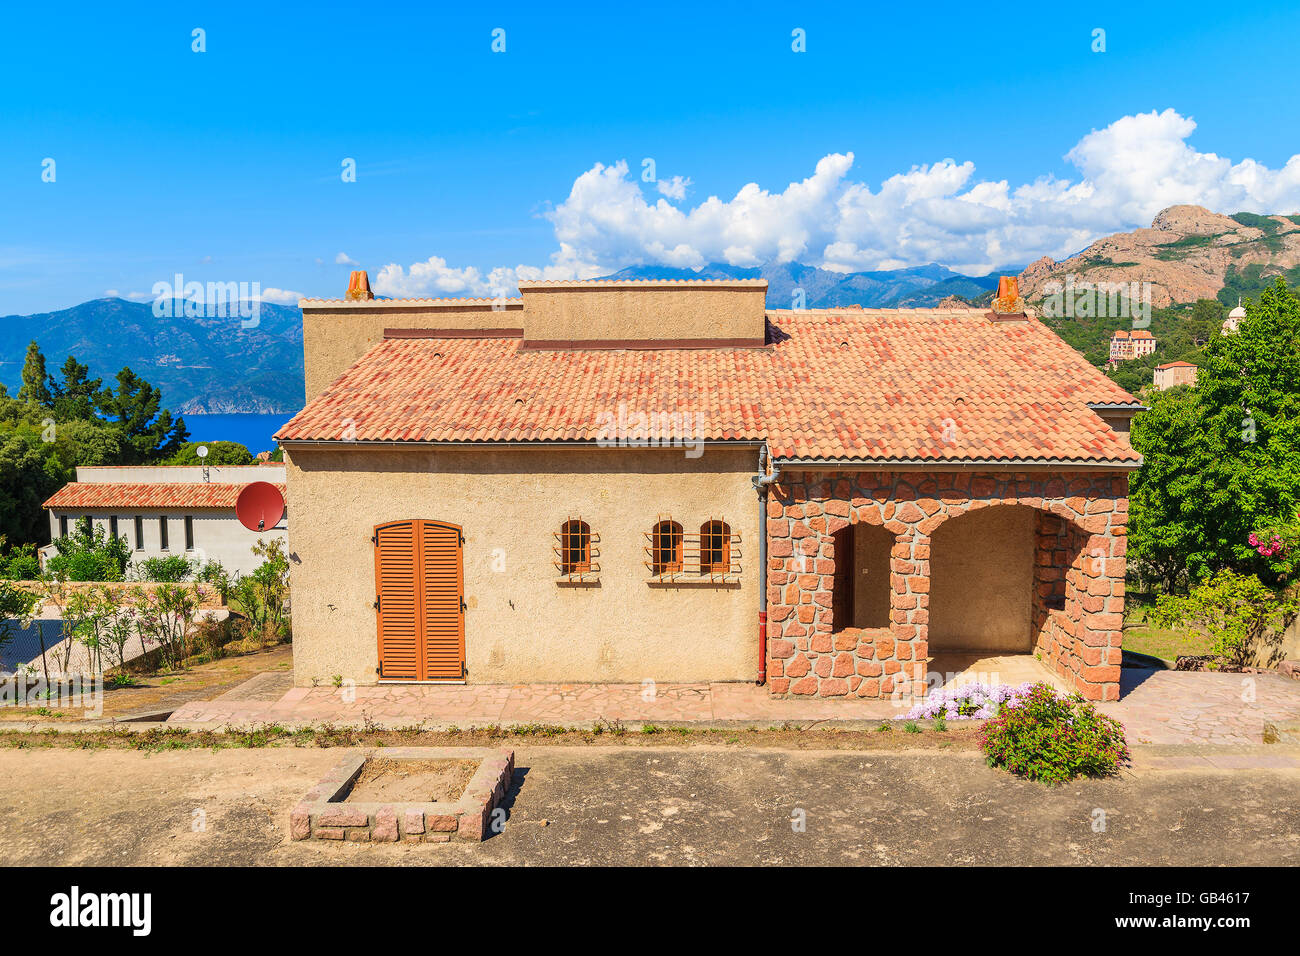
[121, 494]
[872, 384]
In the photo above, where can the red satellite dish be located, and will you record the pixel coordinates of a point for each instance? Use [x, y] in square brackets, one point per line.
[260, 506]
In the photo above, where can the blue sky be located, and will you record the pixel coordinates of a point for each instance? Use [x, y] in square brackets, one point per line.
[225, 165]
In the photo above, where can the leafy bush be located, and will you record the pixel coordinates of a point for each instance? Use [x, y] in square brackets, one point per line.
[1236, 611]
[219, 453]
[1053, 738]
[169, 570]
[263, 595]
[214, 573]
[19, 563]
[164, 617]
[89, 555]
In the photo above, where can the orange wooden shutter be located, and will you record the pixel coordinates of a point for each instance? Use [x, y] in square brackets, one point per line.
[442, 581]
[396, 571]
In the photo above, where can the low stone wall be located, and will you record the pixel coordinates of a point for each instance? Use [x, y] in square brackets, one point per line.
[323, 813]
[209, 597]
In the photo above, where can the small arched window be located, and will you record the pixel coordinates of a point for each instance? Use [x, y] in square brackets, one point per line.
[715, 547]
[666, 548]
[575, 547]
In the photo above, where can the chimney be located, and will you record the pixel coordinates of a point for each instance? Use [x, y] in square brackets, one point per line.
[1008, 306]
[359, 286]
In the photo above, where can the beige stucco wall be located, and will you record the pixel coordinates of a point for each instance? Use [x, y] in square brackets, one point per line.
[334, 338]
[620, 312]
[520, 624]
[336, 335]
[981, 581]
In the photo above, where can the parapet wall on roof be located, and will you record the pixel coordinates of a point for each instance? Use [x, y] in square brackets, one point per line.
[725, 312]
[337, 332]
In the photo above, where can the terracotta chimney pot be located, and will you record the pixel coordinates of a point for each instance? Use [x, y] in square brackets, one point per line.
[359, 286]
[1008, 300]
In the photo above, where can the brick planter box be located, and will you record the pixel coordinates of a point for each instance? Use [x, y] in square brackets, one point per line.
[323, 813]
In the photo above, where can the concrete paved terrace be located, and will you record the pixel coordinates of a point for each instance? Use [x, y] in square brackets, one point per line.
[1161, 707]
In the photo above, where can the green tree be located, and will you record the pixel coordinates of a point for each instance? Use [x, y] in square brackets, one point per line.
[77, 395]
[219, 453]
[29, 474]
[1206, 319]
[150, 434]
[34, 390]
[1223, 459]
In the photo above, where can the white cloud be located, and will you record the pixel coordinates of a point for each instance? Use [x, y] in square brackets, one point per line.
[938, 212]
[674, 188]
[343, 259]
[280, 296]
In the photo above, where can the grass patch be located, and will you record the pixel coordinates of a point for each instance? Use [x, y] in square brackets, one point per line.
[1143, 637]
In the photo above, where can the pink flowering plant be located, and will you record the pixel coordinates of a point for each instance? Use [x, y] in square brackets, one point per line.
[1279, 544]
[1053, 738]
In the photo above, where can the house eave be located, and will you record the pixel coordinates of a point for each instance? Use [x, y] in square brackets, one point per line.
[965, 464]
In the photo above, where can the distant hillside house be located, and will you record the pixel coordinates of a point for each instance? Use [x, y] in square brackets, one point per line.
[1174, 373]
[165, 510]
[1130, 345]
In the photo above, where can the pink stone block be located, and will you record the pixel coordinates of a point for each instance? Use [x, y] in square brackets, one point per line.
[385, 828]
[300, 823]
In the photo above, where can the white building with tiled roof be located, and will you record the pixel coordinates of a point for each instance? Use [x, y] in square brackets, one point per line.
[166, 510]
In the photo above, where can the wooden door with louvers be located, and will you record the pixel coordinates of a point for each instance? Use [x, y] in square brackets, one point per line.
[419, 584]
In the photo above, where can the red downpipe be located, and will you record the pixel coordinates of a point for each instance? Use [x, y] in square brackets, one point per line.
[762, 647]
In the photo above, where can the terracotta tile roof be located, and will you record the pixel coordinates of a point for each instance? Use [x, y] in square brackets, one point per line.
[874, 384]
[169, 494]
[1176, 365]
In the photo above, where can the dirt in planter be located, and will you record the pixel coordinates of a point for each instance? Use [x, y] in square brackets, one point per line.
[385, 780]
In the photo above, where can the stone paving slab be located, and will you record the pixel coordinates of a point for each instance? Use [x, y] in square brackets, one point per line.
[1157, 707]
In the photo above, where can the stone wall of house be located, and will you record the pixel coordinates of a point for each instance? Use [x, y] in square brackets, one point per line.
[1078, 600]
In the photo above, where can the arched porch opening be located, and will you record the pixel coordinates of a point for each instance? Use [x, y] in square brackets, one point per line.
[1000, 580]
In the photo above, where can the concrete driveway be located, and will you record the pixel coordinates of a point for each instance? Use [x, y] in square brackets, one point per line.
[668, 805]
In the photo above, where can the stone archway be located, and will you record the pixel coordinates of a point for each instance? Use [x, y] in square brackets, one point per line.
[1077, 592]
[982, 582]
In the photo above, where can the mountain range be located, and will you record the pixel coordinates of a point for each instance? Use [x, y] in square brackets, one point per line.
[914, 287]
[202, 365]
[1189, 253]
[213, 365]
